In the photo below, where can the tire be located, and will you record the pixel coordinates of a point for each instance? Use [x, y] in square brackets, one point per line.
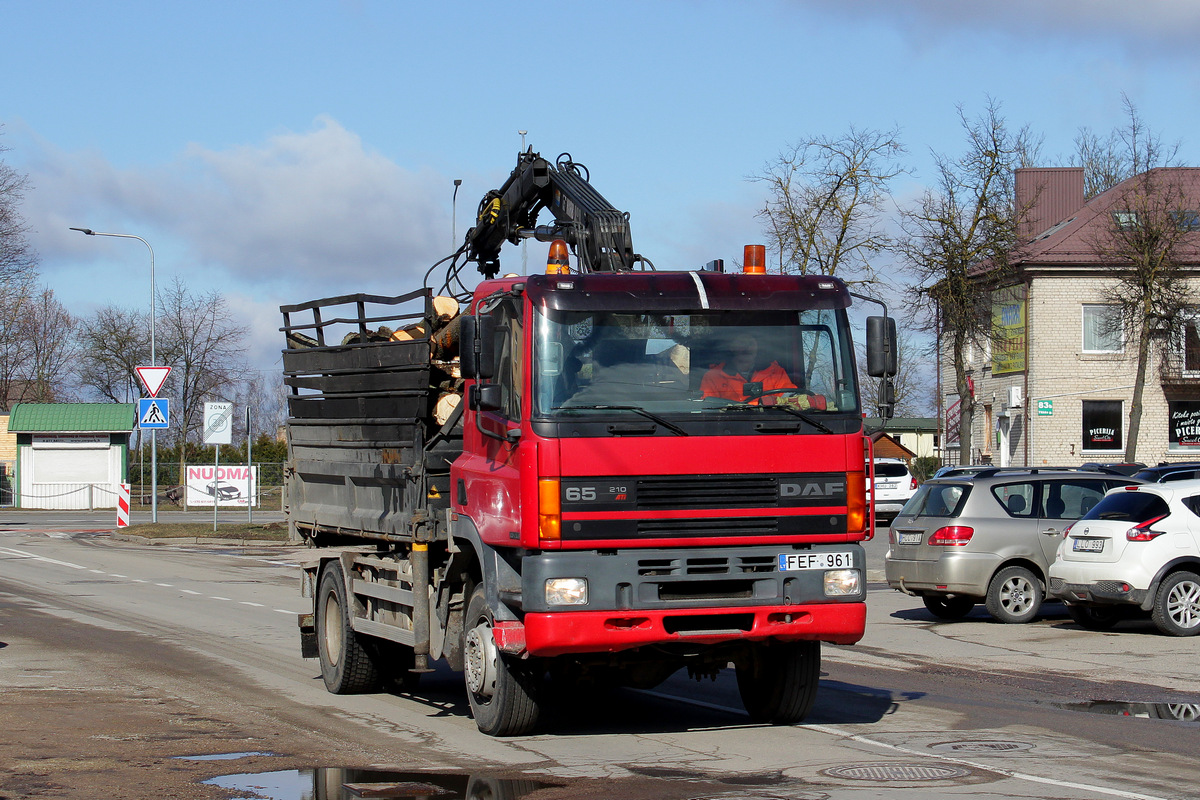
[778, 682]
[504, 692]
[346, 664]
[944, 607]
[1177, 604]
[1094, 618]
[1014, 596]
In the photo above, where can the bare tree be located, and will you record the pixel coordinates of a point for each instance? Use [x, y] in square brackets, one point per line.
[824, 214]
[959, 239]
[18, 261]
[1151, 235]
[114, 342]
[204, 346]
[1124, 152]
[912, 388]
[51, 347]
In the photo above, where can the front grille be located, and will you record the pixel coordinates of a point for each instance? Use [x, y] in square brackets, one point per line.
[735, 526]
[707, 491]
[705, 565]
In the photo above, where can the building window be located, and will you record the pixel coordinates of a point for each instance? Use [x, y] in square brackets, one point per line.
[1102, 426]
[1183, 434]
[1185, 344]
[1102, 330]
[1186, 220]
[1125, 220]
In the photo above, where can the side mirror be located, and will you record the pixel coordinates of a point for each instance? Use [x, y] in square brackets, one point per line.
[887, 398]
[881, 347]
[485, 397]
[475, 352]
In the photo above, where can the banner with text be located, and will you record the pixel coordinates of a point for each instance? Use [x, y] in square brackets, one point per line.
[225, 486]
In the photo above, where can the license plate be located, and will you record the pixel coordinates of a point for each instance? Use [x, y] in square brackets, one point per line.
[789, 562]
[910, 538]
[886, 484]
[1088, 545]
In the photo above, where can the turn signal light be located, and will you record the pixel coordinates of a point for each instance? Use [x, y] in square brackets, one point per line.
[856, 502]
[952, 535]
[557, 262]
[754, 260]
[549, 509]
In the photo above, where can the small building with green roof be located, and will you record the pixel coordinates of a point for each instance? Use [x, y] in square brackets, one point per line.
[71, 455]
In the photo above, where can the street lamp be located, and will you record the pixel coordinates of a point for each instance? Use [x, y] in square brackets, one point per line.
[153, 363]
[454, 215]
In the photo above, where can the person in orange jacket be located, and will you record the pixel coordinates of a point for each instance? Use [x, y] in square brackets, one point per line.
[727, 379]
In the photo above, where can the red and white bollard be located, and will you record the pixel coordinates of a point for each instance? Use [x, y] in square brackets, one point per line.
[123, 506]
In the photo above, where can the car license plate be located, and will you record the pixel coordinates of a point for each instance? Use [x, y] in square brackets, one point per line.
[1088, 545]
[910, 538]
[886, 484]
[789, 562]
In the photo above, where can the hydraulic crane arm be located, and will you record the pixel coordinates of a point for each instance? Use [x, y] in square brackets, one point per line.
[596, 232]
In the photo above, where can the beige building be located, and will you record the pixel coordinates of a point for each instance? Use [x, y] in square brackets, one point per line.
[1055, 386]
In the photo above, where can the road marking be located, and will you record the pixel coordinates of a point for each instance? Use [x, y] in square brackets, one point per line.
[285, 611]
[35, 557]
[248, 603]
[189, 591]
[165, 585]
[214, 597]
[829, 730]
[115, 575]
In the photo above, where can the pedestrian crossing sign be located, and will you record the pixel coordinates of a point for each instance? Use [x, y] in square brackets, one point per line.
[154, 412]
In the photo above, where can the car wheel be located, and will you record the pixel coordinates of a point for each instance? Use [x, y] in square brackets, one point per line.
[1177, 605]
[944, 607]
[1014, 595]
[1094, 618]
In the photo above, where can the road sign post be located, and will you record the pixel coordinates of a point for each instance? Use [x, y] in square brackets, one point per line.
[218, 430]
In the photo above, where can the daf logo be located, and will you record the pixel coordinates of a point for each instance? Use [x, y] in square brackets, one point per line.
[830, 489]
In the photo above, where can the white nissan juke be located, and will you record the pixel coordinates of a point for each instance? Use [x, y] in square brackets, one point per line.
[1136, 551]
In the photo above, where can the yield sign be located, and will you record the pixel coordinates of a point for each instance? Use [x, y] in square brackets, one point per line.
[153, 378]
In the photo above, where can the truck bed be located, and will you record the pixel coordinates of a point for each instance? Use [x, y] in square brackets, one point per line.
[360, 416]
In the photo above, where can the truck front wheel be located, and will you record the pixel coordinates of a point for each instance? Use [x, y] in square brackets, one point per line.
[503, 691]
[346, 666]
[778, 681]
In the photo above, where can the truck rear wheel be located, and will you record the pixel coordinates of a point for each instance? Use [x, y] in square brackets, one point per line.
[503, 691]
[346, 666]
[778, 682]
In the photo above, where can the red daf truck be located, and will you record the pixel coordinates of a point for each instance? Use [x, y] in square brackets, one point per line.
[590, 513]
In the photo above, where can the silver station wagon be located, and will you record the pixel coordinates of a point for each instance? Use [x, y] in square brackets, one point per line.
[988, 538]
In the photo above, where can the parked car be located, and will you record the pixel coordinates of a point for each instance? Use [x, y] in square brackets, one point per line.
[1163, 472]
[1124, 468]
[951, 470]
[894, 485]
[988, 538]
[1137, 551]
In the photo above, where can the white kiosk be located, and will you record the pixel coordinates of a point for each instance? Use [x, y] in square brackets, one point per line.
[71, 455]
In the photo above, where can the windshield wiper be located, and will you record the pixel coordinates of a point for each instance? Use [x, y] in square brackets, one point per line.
[672, 427]
[795, 412]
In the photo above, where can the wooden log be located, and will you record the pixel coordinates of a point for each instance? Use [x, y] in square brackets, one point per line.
[410, 332]
[445, 340]
[444, 406]
[445, 308]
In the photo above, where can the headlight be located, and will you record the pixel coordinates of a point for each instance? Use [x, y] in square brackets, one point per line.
[566, 591]
[842, 582]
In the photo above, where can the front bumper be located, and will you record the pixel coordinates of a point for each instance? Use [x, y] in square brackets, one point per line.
[552, 634]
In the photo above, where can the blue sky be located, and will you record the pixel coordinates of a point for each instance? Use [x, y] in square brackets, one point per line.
[284, 151]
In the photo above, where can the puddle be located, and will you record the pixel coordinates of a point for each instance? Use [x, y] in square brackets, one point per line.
[337, 783]
[1176, 712]
[224, 756]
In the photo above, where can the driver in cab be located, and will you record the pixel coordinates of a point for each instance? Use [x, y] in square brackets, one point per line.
[728, 380]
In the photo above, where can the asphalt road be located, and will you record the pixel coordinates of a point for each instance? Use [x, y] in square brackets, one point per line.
[127, 669]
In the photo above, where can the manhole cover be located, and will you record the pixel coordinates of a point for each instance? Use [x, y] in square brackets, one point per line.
[980, 747]
[896, 772]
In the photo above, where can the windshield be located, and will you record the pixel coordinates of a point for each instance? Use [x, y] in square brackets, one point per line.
[706, 363]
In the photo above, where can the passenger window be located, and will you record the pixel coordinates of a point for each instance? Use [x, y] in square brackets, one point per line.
[1017, 499]
[1070, 499]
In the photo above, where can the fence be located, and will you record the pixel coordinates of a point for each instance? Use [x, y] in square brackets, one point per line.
[268, 491]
